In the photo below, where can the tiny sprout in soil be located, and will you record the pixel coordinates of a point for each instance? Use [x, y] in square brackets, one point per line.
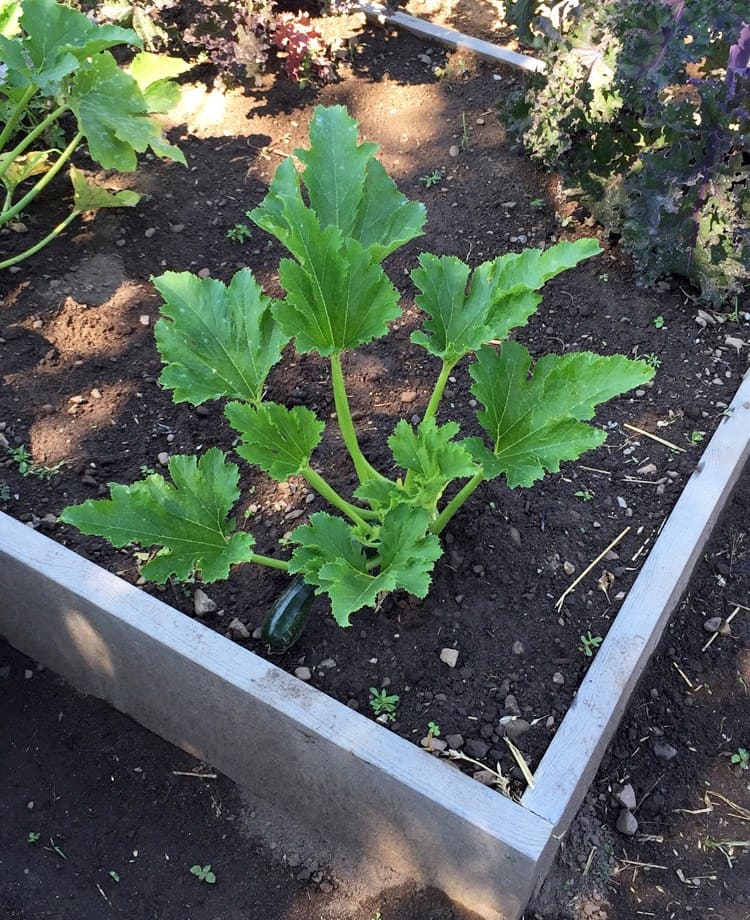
[204, 873]
[240, 232]
[383, 704]
[340, 216]
[584, 494]
[741, 758]
[589, 644]
[433, 729]
[659, 322]
[115, 876]
[33, 837]
[430, 179]
[697, 436]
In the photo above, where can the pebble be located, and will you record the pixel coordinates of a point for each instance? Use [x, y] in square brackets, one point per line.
[202, 603]
[204, 273]
[238, 629]
[408, 396]
[626, 797]
[449, 656]
[568, 568]
[144, 319]
[558, 678]
[485, 777]
[327, 663]
[664, 751]
[627, 823]
[713, 624]
[480, 121]
[177, 228]
[303, 673]
[518, 648]
[455, 742]
[163, 458]
[150, 232]
[476, 748]
[433, 744]
[28, 674]
[516, 729]
[453, 150]
[515, 536]
[511, 705]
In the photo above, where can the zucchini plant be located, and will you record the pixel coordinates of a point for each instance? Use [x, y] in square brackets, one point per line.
[56, 67]
[339, 217]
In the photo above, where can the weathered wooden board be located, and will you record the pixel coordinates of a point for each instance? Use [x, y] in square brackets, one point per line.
[450, 37]
[570, 763]
[343, 774]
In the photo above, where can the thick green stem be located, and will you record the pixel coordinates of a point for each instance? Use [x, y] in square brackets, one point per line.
[357, 515]
[29, 139]
[47, 239]
[455, 503]
[437, 393]
[364, 469]
[43, 182]
[270, 561]
[17, 114]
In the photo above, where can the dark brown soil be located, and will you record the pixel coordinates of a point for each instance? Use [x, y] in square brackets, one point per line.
[78, 389]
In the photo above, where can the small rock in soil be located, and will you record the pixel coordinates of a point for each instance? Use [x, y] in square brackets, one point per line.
[627, 823]
[433, 744]
[515, 536]
[518, 648]
[302, 673]
[202, 603]
[516, 729]
[511, 705]
[568, 568]
[455, 742]
[163, 458]
[713, 624]
[664, 751]
[485, 777]
[238, 629]
[558, 678]
[449, 656]
[476, 748]
[453, 150]
[408, 396]
[626, 797]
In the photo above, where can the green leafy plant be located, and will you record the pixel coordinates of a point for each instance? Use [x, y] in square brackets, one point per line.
[432, 178]
[659, 322]
[589, 644]
[33, 837]
[697, 436]
[57, 66]
[652, 359]
[339, 219]
[26, 465]
[204, 873]
[384, 704]
[115, 876]
[584, 494]
[741, 758]
[240, 232]
[642, 108]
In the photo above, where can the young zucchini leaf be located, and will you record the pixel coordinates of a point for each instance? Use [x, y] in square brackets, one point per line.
[331, 557]
[216, 341]
[188, 518]
[500, 295]
[279, 440]
[537, 421]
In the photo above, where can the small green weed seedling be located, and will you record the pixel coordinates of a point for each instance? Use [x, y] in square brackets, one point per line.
[204, 873]
[652, 359]
[589, 644]
[339, 215]
[115, 876]
[240, 232]
[26, 466]
[433, 729]
[659, 322]
[430, 179]
[741, 758]
[4, 492]
[697, 436]
[584, 494]
[383, 704]
[33, 837]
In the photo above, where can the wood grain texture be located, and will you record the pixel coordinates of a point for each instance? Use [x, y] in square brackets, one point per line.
[573, 757]
[451, 38]
[365, 787]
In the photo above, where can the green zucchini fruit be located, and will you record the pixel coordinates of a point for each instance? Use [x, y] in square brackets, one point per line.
[287, 618]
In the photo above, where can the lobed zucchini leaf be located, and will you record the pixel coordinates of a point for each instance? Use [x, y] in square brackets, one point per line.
[499, 297]
[338, 297]
[90, 197]
[216, 341]
[277, 439]
[537, 421]
[188, 518]
[330, 556]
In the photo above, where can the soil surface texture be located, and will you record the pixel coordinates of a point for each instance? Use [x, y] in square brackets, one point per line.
[80, 407]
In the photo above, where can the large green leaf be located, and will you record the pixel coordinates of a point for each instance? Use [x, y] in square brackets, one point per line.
[154, 74]
[54, 40]
[188, 518]
[536, 421]
[467, 311]
[279, 440]
[330, 557]
[114, 116]
[216, 341]
[90, 197]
